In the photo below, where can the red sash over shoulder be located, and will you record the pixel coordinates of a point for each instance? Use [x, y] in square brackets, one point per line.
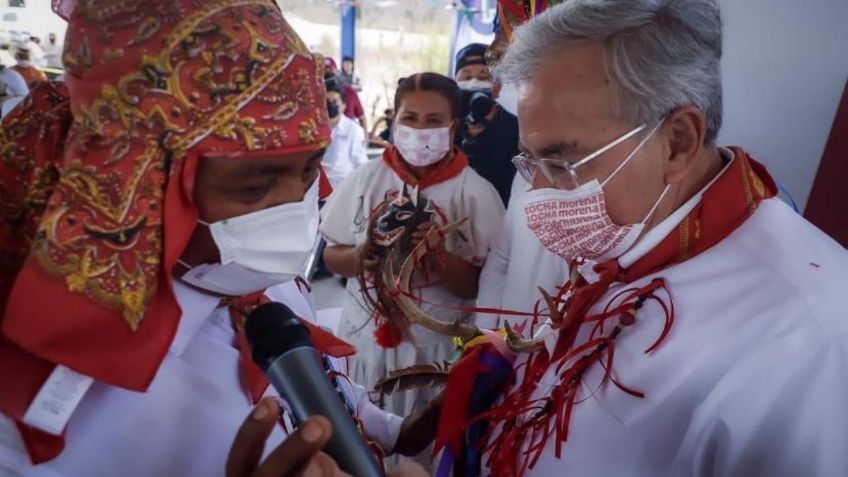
[526, 423]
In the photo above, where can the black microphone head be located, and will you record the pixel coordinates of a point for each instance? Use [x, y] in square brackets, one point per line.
[272, 329]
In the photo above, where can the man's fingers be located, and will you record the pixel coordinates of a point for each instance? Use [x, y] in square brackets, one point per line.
[250, 440]
[298, 450]
[408, 469]
[322, 465]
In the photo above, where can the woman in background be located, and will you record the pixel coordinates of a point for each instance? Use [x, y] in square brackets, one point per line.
[422, 160]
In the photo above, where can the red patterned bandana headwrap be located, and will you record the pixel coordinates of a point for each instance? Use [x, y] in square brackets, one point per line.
[96, 180]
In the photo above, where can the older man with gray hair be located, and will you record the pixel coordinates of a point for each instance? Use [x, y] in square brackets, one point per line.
[703, 331]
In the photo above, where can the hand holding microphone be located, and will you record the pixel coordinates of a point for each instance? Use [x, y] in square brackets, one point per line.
[282, 349]
[300, 454]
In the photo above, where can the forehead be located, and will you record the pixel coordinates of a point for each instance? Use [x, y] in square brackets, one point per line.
[334, 95]
[232, 166]
[570, 94]
[473, 70]
[424, 102]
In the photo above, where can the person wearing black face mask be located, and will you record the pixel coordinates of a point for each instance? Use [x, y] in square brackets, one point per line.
[332, 110]
[489, 134]
[347, 150]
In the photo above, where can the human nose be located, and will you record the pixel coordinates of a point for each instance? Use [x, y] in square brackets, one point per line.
[540, 181]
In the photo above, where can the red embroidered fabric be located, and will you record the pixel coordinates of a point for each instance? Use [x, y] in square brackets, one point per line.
[526, 424]
[96, 180]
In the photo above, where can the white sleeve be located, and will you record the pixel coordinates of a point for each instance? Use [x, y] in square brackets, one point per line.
[346, 210]
[358, 151]
[493, 275]
[484, 209]
[381, 426]
[781, 417]
[15, 84]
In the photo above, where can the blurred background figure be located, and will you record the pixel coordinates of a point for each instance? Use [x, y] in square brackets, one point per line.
[471, 70]
[384, 137]
[13, 88]
[36, 52]
[26, 68]
[353, 106]
[53, 51]
[488, 134]
[348, 75]
[346, 152]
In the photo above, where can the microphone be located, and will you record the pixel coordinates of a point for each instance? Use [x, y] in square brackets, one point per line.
[282, 349]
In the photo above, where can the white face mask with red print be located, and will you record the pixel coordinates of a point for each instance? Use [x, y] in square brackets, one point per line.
[574, 224]
[422, 147]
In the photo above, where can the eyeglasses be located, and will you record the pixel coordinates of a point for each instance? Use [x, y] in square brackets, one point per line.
[560, 173]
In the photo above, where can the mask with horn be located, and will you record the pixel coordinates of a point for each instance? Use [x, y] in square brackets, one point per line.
[390, 230]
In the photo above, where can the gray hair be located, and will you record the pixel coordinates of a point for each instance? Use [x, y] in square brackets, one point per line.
[660, 54]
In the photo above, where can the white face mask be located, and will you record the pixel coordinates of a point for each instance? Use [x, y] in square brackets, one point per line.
[575, 223]
[422, 147]
[260, 249]
[475, 85]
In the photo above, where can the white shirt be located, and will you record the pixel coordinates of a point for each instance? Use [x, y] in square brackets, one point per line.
[15, 88]
[36, 53]
[516, 265]
[753, 379]
[346, 152]
[13, 83]
[184, 424]
[53, 54]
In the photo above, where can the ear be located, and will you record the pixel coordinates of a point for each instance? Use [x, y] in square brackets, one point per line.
[685, 129]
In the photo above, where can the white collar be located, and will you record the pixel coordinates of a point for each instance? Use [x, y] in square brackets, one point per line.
[653, 237]
[647, 243]
[196, 308]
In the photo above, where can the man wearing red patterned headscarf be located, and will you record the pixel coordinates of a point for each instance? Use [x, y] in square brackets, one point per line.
[145, 208]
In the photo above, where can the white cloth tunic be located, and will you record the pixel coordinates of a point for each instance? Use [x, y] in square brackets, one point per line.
[516, 265]
[185, 423]
[346, 152]
[753, 379]
[345, 222]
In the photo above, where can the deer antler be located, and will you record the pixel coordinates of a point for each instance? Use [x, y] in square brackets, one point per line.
[398, 287]
[553, 307]
[517, 344]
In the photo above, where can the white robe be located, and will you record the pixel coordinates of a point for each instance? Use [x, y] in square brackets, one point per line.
[516, 265]
[345, 222]
[186, 421]
[346, 152]
[753, 379]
